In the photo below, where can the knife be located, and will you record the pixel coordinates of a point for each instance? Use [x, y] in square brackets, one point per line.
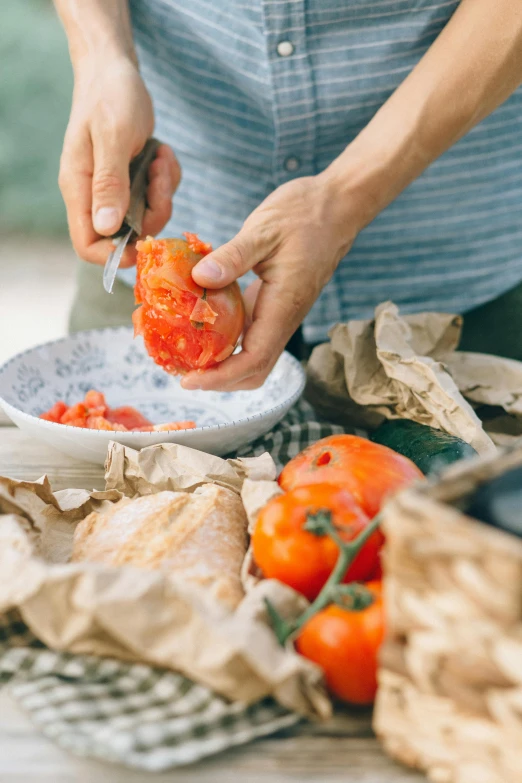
[131, 226]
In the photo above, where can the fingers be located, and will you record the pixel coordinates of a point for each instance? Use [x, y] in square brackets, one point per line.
[166, 153]
[110, 180]
[75, 181]
[277, 314]
[78, 184]
[164, 178]
[234, 259]
[249, 300]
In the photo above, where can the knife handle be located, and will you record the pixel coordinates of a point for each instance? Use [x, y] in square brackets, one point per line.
[138, 173]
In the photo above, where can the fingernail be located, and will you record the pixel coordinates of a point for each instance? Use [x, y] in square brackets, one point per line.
[209, 269]
[107, 219]
[190, 385]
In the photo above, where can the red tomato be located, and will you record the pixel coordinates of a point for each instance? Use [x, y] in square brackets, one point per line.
[56, 412]
[101, 423]
[175, 425]
[129, 417]
[377, 573]
[196, 244]
[95, 403]
[94, 414]
[284, 550]
[345, 644]
[368, 470]
[75, 414]
[185, 327]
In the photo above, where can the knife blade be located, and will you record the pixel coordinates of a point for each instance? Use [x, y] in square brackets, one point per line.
[113, 261]
[131, 226]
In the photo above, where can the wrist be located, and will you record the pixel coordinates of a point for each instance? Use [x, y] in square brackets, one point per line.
[100, 54]
[353, 196]
[359, 181]
[380, 162]
[97, 30]
[92, 74]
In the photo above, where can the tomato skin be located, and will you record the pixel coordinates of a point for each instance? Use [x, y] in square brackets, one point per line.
[377, 574]
[368, 470]
[283, 550]
[184, 326]
[345, 643]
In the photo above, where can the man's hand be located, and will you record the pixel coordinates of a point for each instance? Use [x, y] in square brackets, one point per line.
[111, 119]
[293, 241]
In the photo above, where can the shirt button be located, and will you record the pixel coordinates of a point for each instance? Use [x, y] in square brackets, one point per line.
[292, 164]
[285, 48]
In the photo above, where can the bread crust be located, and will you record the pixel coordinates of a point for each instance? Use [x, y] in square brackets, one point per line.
[200, 537]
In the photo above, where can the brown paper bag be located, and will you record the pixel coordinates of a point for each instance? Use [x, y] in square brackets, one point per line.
[407, 367]
[143, 615]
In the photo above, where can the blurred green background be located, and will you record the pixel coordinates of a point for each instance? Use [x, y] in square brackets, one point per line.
[37, 262]
[35, 96]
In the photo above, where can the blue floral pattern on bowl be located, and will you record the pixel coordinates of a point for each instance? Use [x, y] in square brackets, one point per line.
[111, 361]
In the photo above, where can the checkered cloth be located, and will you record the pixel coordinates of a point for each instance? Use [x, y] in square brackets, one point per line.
[134, 714]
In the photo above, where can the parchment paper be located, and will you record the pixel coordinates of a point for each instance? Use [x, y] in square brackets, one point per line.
[407, 367]
[142, 615]
[169, 466]
[255, 495]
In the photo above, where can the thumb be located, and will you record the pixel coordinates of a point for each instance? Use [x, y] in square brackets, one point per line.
[110, 186]
[230, 261]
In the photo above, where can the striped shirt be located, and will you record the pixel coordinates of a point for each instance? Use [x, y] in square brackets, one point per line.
[252, 93]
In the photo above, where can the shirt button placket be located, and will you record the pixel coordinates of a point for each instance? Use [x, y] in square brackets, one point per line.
[293, 90]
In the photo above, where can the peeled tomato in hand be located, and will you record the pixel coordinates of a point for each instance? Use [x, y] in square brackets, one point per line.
[184, 327]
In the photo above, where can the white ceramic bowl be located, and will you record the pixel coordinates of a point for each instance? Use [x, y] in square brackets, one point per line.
[113, 362]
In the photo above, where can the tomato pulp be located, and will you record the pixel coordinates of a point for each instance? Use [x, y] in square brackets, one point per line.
[184, 326]
[93, 413]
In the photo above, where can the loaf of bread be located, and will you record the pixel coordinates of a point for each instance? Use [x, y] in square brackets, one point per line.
[199, 537]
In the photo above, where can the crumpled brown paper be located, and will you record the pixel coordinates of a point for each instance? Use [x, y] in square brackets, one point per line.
[143, 615]
[255, 495]
[407, 367]
[169, 466]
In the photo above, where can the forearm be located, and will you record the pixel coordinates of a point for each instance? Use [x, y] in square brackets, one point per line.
[96, 28]
[473, 66]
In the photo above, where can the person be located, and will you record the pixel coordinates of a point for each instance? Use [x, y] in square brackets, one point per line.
[337, 152]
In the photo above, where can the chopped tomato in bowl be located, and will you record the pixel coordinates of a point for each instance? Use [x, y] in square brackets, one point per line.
[93, 413]
[140, 396]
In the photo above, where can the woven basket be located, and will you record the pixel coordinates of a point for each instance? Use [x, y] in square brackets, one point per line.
[450, 681]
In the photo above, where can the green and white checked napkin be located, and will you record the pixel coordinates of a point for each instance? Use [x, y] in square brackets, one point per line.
[134, 714]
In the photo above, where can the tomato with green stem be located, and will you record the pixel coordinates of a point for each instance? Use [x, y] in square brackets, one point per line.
[344, 640]
[291, 541]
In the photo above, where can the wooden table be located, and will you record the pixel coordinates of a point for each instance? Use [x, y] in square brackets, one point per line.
[342, 751]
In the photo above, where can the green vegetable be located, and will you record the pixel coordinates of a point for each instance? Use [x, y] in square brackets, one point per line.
[430, 449]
